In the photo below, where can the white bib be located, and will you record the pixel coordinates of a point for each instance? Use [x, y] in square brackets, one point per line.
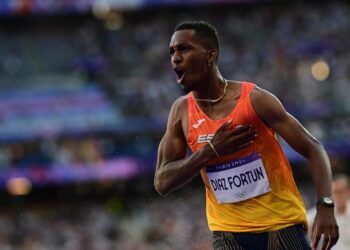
[238, 180]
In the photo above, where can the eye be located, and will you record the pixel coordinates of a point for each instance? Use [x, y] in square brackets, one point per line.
[184, 48]
[171, 51]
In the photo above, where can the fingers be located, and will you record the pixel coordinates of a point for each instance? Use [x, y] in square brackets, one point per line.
[325, 231]
[327, 241]
[335, 237]
[242, 139]
[224, 126]
[247, 135]
[244, 145]
[315, 239]
[240, 129]
[332, 238]
[229, 140]
[236, 130]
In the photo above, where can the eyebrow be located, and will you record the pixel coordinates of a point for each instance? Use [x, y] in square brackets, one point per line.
[178, 46]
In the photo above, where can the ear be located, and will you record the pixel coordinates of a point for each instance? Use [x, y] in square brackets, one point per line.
[212, 56]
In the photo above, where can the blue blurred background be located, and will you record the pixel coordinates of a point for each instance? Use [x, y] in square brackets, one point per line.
[85, 90]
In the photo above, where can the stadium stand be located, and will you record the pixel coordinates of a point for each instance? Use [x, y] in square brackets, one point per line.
[81, 104]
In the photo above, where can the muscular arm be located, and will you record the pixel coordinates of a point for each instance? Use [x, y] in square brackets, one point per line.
[173, 169]
[271, 111]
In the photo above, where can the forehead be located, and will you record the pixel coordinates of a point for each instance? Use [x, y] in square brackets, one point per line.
[184, 36]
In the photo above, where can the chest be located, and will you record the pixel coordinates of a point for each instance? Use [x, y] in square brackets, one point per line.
[204, 116]
[218, 111]
[201, 128]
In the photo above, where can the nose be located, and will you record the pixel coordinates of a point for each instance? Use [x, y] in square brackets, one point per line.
[176, 58]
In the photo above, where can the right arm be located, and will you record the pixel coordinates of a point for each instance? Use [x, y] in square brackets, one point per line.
[173, 168]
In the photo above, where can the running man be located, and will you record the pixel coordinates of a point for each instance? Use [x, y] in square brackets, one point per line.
[252, 201]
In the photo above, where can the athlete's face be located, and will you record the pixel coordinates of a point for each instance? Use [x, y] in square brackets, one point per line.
[189, 59]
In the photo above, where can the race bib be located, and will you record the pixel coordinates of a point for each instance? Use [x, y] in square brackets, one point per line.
[239, 179]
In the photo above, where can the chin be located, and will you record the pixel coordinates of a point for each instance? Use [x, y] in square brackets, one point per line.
[187, 88]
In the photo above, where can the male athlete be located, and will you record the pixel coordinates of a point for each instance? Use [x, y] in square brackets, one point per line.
[252, 201]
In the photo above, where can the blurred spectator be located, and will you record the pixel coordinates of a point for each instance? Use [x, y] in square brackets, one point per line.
[341, 195]
[136, 224]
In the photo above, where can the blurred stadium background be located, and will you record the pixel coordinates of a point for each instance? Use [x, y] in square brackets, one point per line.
[85, 89]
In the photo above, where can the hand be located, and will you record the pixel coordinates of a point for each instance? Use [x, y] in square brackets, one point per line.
[325, 224]
[229, 140]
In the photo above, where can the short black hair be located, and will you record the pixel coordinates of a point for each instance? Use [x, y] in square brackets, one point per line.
[205, 32]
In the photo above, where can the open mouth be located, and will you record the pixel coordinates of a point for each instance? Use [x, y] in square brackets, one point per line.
[180, 74]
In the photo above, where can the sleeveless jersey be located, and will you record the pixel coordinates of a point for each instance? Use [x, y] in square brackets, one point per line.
[279, 206]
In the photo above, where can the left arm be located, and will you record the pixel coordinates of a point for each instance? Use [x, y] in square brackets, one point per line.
[271, 112]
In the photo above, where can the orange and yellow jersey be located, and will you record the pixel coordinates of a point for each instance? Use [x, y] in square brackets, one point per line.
[274, 200]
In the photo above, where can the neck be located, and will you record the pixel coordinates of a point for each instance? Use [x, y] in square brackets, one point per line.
[211, 88]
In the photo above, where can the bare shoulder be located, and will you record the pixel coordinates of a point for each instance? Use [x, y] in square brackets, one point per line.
[235, 82]
[266, 105]
[257, 92]
[180, 104]
[179, 107]
[178, 114]
[263, 98]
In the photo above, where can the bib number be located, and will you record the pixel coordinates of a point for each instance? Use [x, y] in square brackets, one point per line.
[239, 179]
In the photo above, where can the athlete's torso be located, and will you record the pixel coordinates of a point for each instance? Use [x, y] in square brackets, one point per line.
[218, 111]
[273, 200]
